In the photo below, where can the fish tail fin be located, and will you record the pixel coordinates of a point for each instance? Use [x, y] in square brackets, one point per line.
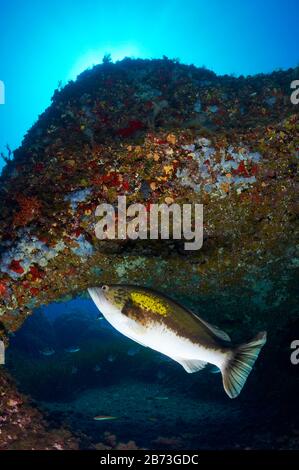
[238, 366]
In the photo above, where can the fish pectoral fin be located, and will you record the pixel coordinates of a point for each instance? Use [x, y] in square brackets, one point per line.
[135, 332]
[190, 365]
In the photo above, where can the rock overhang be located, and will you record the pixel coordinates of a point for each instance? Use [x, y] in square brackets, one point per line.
[153, 131]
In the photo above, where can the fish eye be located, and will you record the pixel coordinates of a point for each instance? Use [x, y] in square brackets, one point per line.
[105, 288]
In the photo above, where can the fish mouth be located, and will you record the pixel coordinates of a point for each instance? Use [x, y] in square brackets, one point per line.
[98, 296]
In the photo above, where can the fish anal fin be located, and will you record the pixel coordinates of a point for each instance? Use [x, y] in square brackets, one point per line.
[190, 365]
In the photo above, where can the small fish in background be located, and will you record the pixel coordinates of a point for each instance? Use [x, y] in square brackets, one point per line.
[72, 349]
[156, 321]
[153, 419]
[104, 418]
[157, 397]
[133, 351]
[97, 368]
[112, 357]
[47, 352]
[74, 370]
[100, 317]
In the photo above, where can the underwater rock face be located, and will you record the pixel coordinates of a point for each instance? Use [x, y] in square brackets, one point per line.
[153, 131]
[22, 427]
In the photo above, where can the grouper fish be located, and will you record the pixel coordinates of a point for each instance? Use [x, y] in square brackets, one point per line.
[158, 322]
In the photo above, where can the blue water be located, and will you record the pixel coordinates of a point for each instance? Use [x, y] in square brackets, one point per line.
[153, 401]
[45, 44]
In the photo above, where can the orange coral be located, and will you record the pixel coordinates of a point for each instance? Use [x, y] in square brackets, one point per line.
[3, 288]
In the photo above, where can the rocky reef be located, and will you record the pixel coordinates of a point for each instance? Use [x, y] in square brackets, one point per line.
[22, 427]
[157, 131]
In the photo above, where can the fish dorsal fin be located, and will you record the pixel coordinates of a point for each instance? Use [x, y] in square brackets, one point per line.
[190, 365]
[217, 332]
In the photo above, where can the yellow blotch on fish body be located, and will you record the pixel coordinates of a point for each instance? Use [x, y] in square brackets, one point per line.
[148, 302]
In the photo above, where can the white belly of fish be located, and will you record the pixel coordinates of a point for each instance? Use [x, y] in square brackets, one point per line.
[157, 336]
